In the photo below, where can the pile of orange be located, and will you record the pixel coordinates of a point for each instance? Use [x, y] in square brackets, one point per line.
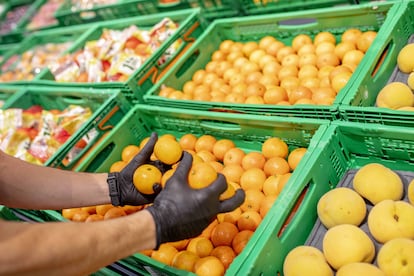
[262, 174]
[308, 71]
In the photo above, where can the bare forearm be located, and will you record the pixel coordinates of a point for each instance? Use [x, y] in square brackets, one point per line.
[23, 185]
[68, 248]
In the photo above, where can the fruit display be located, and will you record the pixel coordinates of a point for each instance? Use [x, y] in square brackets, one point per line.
[27, 65]
[44, 17]
[89, 4]
[115, 55]
[12, 18]
[262, 174]
[309, 70]
[34, 134]
[364, 224]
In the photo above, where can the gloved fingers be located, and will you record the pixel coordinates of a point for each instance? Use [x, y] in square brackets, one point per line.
[183, 168]
[144, 154]
[218, 186]
[233, 202]
[161, 166]
[157, 188]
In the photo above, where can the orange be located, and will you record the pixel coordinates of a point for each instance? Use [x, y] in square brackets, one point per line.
[275, 94]
[271, 68]
[211, 66]
[201, 175]
[324, 37]
[271, 185]
[168, 150]
[225, 254]
[89, 209]
[365, 40]
[80, 216]
[267, 59]
[255, 89]
[228, 193]
[295, 156]
[283, 52]
[322, 94]
[234, 98]
[249, 47]
[328, 58]
[232, 172]
[145, 177]
[187, 141]
[249, 220]
[304, 101]
[114, 212]
[308, 70]
[269, 80]
[202, 93]
[283, 181]
[231, 217]
[240, 240]
[254, 100]
[102, 209]
[68, 213]
[144, 142]
[221, 147]
[306, 49]
[274, 48]
[252, 179]
[265, 42]
[222, 66]
[240, 88]
[216, 165]
[206, 155]
[353, 57]
[253, 159]
[129, 152]
[94, 217]
[351, 35]
[340, 80]
[339, 69]
[198, 76]
[290, 83]
[184, 260]
[129, 209]
[266, 204]
[300, 40]
[253, 78]
[166, 176]
[233, 156]
[288, 71]
[176, 95]
[223, 233]
[233, 56]
[180, 245]
[252, 200]
[342, 48]
[205, 142]
[209, 266]
[201, 246]
[118, 166]
[218, 55]
[165, 91]
[276, 165]
[165, 254]
[324, 47]
[298, 93]
[225, 46]
[207, 231]
[290, 60]
[275, 146]
[248, 68]
[310, 82]
[256, 55]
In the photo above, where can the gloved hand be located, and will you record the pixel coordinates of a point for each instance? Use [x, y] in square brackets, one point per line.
[181, 212]
[121, 188]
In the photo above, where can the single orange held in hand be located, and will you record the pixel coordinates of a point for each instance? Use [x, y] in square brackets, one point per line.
[145, 177]
[201, 175]
[168, 150]
[129, 152]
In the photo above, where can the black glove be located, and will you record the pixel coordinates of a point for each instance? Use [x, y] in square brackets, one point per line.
[121, 188]
[181, 212]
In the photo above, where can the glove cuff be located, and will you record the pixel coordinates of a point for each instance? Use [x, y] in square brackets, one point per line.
[114, 192]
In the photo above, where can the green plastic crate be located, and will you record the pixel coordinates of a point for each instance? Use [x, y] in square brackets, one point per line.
[211, 9]
[40, 38]
[144, 77]
[358, 105]
[40, 12]
[108, 108]
[254, 7]
[247, 131]
[344, 146]
[17, 33]
[253, 28]
[6, 92]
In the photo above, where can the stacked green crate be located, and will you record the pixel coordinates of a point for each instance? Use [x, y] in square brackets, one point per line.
[359, 104]
[27, 61]
[344, 146]
[247, 131]
[145, 72]
[106, 109]
[73, 12]
[283, 27]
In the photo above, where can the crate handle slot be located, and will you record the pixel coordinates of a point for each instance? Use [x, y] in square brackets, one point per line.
[73, 100]
[220, 125]
[297, 23]
[384, 60]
